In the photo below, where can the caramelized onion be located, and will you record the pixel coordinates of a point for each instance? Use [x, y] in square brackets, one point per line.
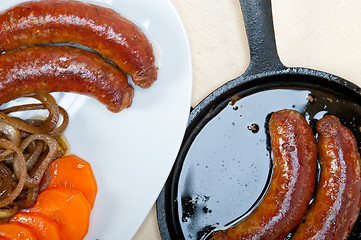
[7, 183]
[34, 155]
[63, 147]
[19, 124]
[45, 181]
[52, 145]
[27, 197]
[7, 212]
[12, 134]
[27, 147]
[49, 124]
[19, 169]
[52, 120]
[61, 128]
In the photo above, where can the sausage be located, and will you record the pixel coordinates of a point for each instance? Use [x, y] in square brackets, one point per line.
[293, 181]
[40, 69]
[99, 28]
[337, 203]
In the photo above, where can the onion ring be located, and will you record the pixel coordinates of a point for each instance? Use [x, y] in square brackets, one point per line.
[12, 134]
[52, 145]
[8, 212]
[20, 171]
[27, 147]
[49, 124]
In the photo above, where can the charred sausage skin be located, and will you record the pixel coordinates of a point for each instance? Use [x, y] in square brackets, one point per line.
[292, 184]
[337, 203]
[99, 28]
[41, 69]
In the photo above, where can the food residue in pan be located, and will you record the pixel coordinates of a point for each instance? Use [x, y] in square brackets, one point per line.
[243, 161]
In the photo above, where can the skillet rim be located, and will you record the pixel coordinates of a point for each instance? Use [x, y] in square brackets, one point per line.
[167, 227]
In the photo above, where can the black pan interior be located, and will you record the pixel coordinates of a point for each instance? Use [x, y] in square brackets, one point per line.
[224, 165]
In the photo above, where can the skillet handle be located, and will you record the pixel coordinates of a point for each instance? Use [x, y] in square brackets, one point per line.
[257, 16]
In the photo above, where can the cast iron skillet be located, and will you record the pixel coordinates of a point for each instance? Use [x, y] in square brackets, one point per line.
[224, 165]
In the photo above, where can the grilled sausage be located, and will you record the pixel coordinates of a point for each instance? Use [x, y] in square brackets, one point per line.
[337, 203]
[292, 184]
[99, 28]
[40, 69]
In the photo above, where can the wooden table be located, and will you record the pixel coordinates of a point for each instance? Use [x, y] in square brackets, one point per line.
[323, 35]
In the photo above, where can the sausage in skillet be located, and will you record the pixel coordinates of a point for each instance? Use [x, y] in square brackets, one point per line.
[292, 184]
[337, 203]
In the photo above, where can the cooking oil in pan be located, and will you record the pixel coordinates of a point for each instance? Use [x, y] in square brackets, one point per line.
[228, 166]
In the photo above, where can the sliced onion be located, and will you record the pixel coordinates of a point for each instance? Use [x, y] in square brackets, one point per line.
[12, 134]
[49, 124]
[38, 173]
[28, 197]
[19, 124]
[27, 147]
[7, 183]
[34, 156]
[50, 104]
[8, 212]
[61, 128]
[19, 169]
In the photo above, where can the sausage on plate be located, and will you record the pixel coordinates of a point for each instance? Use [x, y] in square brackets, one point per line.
[99, 28]
[293, 181]
[40, 69]
[336, 207]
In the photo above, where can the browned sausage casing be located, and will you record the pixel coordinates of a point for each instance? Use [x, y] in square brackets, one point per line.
[337, 203]
[41, 69]
[292, 184]
[99, 28]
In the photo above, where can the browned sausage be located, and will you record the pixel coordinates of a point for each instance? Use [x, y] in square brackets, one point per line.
[292, 184]
[67, 69]
[337, 203]
[99, 28]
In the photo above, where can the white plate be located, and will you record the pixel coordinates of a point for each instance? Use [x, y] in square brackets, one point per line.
[132, 152]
